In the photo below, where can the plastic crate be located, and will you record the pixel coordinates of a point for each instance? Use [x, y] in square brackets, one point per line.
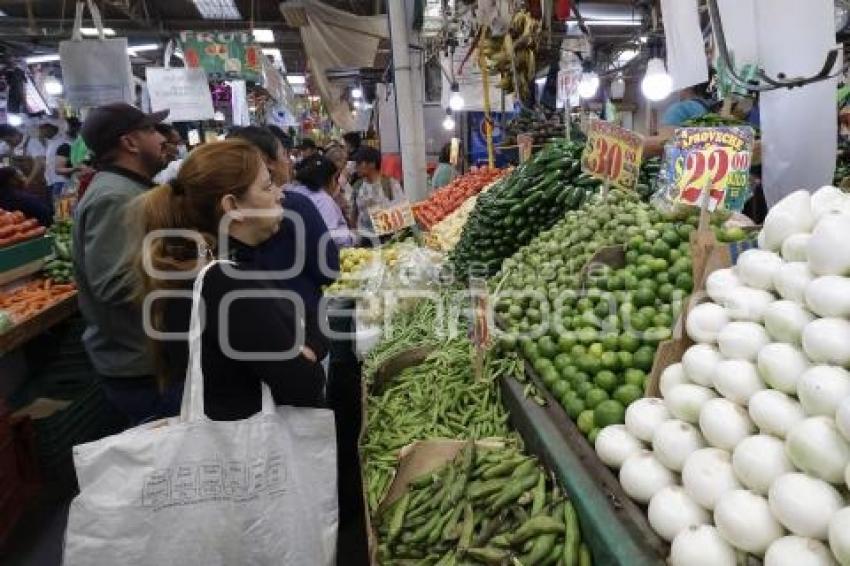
[13, 257]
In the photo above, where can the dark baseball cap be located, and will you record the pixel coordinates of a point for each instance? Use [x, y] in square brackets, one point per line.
[105, 125]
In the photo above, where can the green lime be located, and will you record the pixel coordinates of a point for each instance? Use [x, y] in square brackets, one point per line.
[671, 238]
[644, 358]
[596, 349]
[607, 380]
[626, 394]
[635, 242]
[684, 231]
[566, 341]
[625, 359]
[569, 373]
[588, 335]
[583, 388]
[662, 320]
[636, 377]
[638, 322]
[662, 278]
[562, 361]
[660, 249]
[585, 421]
[608, 413]
[643, 297]
[530, 351]
[577, 350]
[631, 256]
[610, 341]
[610, 361]
[643, 271]
[589, 363]
[542, 364]
[594, 397]
[591, 436]
[664, 291]
[629, 342]
[547, 347]
[573, 406]
[685, 282]
[550, 377]
[560, 388]
[658, 265]
[515, 312]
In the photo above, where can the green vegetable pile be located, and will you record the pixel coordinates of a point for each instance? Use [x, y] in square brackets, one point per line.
[439, 398]
[61, 268]
[520, 206]
[603, 330]
[712, 120]
[649, 170]
[486, 507]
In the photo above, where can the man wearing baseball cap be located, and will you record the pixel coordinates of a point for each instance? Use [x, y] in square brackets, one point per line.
[128, 152]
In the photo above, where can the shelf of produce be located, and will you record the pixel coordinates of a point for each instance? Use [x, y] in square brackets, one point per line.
[26, 330]
[614, 527]
[25, 253]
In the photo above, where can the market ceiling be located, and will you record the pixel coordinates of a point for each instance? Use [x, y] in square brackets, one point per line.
[29, 27]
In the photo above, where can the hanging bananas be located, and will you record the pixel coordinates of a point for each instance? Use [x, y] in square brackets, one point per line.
[513, 54]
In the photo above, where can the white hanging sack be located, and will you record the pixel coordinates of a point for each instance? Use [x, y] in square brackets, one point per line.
[189, 491]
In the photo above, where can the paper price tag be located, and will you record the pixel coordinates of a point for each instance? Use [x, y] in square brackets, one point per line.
[712, 163]
[612, 154]
[390, 220]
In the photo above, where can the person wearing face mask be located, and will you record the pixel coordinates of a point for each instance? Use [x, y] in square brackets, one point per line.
[128, 152]
[226, 178]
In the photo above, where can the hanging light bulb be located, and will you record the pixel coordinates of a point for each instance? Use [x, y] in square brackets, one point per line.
[219, 116]
[356, 92]
[449, 122]
[456, 101]
[52, 86]
[356, 104]
[588, 85]
[657, 84]
[14, 120]
[618, 88]
[540, 81]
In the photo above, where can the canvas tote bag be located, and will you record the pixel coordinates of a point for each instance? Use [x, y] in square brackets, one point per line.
[189, 491]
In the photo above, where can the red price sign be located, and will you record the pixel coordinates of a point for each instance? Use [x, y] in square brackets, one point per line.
[391, 220]
[612, 154]
[713, 164]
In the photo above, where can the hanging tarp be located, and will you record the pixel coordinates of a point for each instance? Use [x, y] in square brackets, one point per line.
[686, 60]
[223, 55]
[334, 39]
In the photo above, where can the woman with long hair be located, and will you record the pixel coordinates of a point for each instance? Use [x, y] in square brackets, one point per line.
[223, 204]
[318, 179]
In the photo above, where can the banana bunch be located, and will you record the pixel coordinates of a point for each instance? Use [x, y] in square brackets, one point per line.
[513, 54]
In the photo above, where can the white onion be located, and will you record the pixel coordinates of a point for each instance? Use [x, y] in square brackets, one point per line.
[685, 401]
[829, 199]
[642, 476]
[785, 320]
[724, 424]
[615, 445]
[829, 296]
[705, 321]
[804, 505]
[737, 380]
[839, 536]
[794, 248]
[827, 341]
[644, 415]
[775, 412]
[842, 418]
[672, 376]
[743, 518]
[756, 268]
[745, 303]
[781, 366]
[671, 511]
[816, 447]
[719, 282]
[759, 460]
[742, 340]
[828, 252]
[796, 551]
[701, 546]
[791, 280]
[700, 362]
[674, 441]
[821, 389]
[707, 475]
[791, 215]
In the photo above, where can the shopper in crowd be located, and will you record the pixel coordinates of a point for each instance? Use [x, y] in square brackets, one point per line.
[10, 138]
[306, 149]
[352, 143]
[318, 179]
[57, 162]
[173, 153]
[228, 177]
[25, 151]
[339, 157]
[694, 102]
[284, 138]
[303, 243]
[445, 171]
[373, 190]
[13, 197]
[128, 151]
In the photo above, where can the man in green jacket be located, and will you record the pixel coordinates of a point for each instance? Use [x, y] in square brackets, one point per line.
[128, 152]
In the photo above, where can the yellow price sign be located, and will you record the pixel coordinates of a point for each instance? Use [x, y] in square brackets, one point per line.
[392, 219]
[612, 154]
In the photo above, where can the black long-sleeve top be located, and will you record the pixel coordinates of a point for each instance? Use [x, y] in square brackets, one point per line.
[266, 324]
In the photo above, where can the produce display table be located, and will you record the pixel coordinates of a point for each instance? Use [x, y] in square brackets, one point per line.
[35, 325]
[616, 529]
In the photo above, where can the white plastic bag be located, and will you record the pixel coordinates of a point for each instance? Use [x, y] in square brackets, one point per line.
[189, 491]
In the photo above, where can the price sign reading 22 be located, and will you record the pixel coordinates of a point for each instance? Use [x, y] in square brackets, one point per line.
[710, 169]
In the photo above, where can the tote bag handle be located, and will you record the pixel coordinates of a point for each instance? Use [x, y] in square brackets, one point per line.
[77, 34]
[192, 408]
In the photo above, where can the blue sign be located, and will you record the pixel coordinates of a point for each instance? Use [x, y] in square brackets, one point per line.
[478, 139]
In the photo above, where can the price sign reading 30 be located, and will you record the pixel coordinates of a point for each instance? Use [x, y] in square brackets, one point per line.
[612, 154]
[390, 220]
